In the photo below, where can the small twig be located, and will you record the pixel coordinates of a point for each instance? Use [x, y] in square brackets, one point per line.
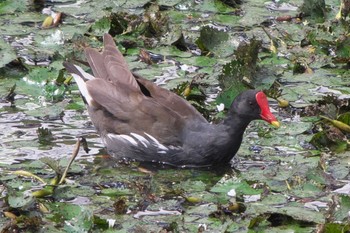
[74, 155]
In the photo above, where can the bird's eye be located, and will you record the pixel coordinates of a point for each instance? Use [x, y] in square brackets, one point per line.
[250, 103]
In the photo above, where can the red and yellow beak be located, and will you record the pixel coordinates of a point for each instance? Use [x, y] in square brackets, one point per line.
[266, 115]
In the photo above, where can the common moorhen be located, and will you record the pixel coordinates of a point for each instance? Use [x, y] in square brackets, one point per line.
[139, 120]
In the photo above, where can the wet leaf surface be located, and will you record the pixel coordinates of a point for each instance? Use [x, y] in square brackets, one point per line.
[292, 179]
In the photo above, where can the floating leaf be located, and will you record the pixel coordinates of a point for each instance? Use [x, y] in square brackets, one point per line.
[9, 6]
[51, 112]
[214, 41]
[342, 213]
[101, 26]
[7, 53]
[316, 9]
[20, 199]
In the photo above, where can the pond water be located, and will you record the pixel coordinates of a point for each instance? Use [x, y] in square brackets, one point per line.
[20, 140]
[192, 46]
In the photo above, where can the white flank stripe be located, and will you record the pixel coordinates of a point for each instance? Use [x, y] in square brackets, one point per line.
[174, 147]
[159, 145]
[129, 139]
[123, 137]
[141, 139]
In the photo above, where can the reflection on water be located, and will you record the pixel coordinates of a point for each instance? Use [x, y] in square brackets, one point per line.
[19, 139]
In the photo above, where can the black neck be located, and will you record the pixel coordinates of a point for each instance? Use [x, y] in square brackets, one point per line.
[236, 123]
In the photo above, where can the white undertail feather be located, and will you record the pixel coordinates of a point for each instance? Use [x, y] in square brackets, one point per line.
[81, 84]
[86, 75]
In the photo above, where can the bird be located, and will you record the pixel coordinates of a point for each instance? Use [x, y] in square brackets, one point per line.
[140, 121]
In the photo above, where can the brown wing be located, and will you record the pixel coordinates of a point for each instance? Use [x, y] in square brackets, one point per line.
[121, 110]
[170, 100]
[110, 65]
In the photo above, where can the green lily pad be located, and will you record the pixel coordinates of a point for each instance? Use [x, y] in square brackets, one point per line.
[215, 41]
[19, 199]
[7, 54]
[9, 6]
